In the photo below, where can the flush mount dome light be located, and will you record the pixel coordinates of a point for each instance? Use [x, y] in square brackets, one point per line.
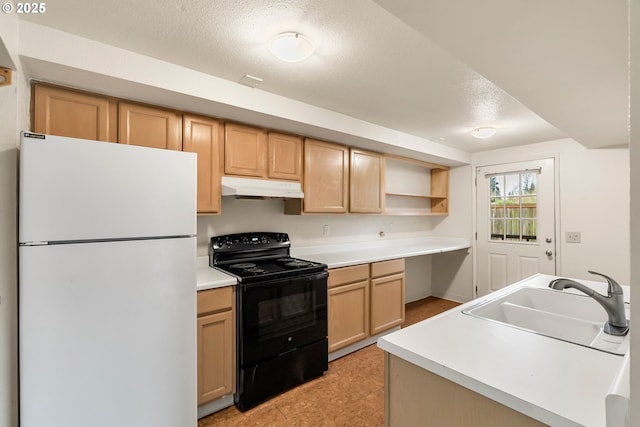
[483, 133]
[291, 47]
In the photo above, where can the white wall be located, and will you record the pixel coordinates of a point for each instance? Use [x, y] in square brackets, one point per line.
[453, 277]
[594, 200]
[240, 215]
[9, 121]
[306, 230]
[635, 205]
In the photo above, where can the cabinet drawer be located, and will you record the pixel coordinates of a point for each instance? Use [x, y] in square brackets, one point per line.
[384, 268]
[213, 300]
[341, 276]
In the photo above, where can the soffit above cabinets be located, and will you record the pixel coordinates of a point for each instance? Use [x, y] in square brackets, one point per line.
[416, 67]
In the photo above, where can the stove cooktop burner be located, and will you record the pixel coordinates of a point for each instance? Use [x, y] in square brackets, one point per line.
[260, 269]
[242, 266]
[297, 263]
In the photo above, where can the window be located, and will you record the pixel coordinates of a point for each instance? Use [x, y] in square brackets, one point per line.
[513, 206]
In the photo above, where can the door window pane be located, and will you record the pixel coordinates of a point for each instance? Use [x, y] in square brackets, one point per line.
[496, 185]
[513, 197]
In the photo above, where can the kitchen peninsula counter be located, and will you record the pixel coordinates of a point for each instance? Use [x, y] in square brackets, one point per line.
[343, 255]
[552, 381]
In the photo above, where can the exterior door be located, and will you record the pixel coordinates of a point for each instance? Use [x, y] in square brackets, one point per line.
[515, 223]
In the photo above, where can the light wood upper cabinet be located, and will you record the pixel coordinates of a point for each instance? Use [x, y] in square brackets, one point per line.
[326, 177]
[285, 157]
[65, 112]
[245, 151]
[366, 182]
[149, 126]
[204, 136]
[216, 344]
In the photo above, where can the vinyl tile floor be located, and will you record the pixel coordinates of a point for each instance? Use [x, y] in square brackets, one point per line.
[350, 394]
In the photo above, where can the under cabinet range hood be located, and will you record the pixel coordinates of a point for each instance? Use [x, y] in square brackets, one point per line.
[260, 188]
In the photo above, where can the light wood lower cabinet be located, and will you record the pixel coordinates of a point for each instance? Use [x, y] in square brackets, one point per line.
[348, 306]
[204, 136]
[364, 300]
[387, 295]
[216, 344]
[65, 112]
[149, 126]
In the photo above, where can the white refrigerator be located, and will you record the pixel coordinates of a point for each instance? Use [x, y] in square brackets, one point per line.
[107, 288]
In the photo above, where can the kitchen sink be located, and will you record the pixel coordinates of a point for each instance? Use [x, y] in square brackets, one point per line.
[562, 315]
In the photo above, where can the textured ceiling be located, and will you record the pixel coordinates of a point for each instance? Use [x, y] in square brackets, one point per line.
[384, 67]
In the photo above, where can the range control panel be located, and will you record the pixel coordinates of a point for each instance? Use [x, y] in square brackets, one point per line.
[249, 241]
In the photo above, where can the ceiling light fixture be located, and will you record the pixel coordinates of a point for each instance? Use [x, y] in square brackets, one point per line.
[291, 47]
[483, 133]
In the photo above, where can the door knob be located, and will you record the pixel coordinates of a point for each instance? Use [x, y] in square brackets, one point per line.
[549, 253]
[548, 240]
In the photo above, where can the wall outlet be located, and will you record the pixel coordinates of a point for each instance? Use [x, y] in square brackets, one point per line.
[572, 237]
[325, 230]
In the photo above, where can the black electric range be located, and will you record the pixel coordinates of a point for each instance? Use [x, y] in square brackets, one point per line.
[257, 257]
[281, 314]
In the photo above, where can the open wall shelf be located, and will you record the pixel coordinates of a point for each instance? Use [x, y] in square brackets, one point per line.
[413, 187]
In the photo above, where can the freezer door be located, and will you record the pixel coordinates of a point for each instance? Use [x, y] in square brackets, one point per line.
[74, 189]
[108, 334]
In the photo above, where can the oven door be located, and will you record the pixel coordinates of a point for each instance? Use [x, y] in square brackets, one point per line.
[279, 316]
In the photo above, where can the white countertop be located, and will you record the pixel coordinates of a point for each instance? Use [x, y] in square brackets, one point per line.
[343, 255]
[555, 382]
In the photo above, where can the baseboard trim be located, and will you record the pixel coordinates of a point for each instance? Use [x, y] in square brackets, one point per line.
[360, 344]
[215, 406]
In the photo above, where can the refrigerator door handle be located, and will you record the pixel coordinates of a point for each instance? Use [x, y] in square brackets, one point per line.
[33, 243]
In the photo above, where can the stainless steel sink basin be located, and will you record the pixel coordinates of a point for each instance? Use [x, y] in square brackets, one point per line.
[569, 317]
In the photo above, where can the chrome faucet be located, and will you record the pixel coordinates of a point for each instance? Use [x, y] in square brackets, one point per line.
[613, 303]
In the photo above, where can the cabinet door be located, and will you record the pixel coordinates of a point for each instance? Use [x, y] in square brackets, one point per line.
[203, 136]
[149, 127]
[366, 192]
[245, 151]
[74, 114]
[285, 157]
[387, 302]
[216, 365]
[348, 310]
[326, 177]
